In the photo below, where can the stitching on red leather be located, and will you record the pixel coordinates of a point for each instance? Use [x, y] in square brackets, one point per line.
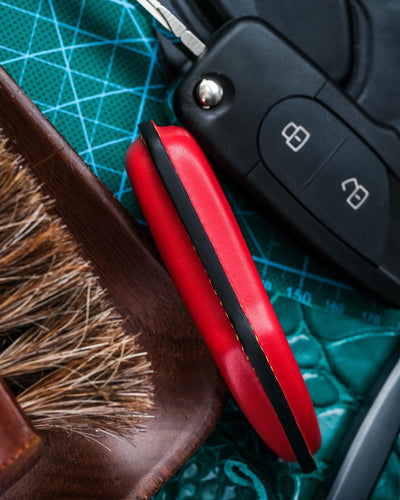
[226, 314]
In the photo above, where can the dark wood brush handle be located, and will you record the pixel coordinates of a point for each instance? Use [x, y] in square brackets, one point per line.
[20, 446]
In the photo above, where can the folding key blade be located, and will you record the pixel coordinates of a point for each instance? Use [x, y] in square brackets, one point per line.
[167, 19]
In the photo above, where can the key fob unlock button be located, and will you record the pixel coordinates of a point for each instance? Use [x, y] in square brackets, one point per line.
[350, 195]
[296, 137]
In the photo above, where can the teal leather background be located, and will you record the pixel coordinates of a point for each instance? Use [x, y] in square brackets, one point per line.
[339, 359]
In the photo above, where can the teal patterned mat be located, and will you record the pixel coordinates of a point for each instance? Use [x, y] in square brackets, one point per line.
[91, 67]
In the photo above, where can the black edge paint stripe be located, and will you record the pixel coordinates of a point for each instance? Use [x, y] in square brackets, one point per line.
[226, 294]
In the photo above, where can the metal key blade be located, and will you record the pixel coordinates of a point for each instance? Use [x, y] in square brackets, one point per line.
[174, 25]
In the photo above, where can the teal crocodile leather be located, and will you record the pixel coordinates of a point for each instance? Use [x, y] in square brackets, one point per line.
[339, 358]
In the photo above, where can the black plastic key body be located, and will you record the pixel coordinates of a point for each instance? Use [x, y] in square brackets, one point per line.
[318, 162]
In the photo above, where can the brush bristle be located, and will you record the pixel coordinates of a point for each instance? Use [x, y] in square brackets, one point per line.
[63, 349]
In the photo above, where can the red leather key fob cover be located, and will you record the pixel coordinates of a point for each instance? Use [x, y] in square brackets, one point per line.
[202, 246]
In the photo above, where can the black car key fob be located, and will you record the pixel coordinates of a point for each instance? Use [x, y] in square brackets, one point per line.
[263, 112]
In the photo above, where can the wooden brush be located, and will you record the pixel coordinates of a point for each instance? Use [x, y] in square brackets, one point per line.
[63, 349]
[189, 393]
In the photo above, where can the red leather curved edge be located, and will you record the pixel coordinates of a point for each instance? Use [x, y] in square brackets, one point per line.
[193, 284]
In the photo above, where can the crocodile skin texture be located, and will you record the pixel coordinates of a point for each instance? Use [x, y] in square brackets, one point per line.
[340, 358]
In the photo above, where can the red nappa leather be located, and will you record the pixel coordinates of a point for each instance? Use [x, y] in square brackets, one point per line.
[198, 294]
